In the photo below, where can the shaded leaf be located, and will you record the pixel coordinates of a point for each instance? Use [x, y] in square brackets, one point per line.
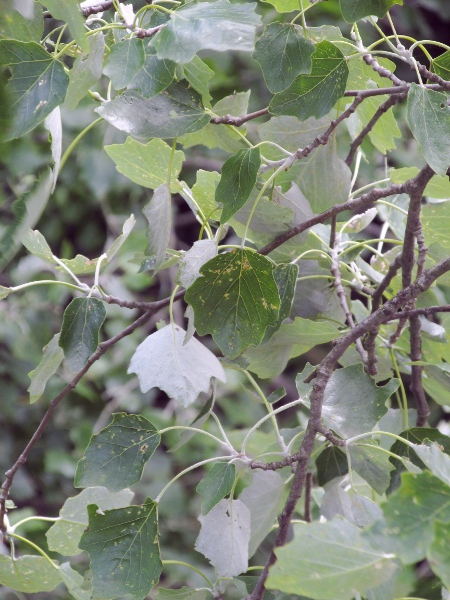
[123, 549]
[191, 261]
[125, 59]
[239, 174]
[154, 76]
[69, 12]
[74, 582]
[441, 65]
[176, 111]
[286, 279]
[86, 71]
[63, 537]
[372, 464]
[14, 25]
[331, 463]
[283, 54]
[38, 84]
[30, 574]
[438, 553]
[120, 240]
[224, 537]
[50, 361]
[147, 164]
[183, 371]
[198, 74]
[217, 26]
[115, 457]
[436, 223]
[82, 321]
[158, 214]
[235, 300]
[429, 121]
[353, 403]
[290, 133]
[314, 95]
[216, 484]
[434, 457]
[329, 561]
[183, 593]
[353, 10]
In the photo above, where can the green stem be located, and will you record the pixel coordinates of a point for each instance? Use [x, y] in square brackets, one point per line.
[36, 547]
[367, 247]
[185, 564]
[68, 152]
[402, 387]
[16, 288]
[369, 434]
[49, 519]
[402, 210]
[368, 186]
[185, 428]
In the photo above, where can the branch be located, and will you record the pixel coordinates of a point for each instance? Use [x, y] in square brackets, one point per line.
[238, 121]
[86, 11]
[382, 71]
[147, 306]
[425, 311]
[432, 76]
[102, 348]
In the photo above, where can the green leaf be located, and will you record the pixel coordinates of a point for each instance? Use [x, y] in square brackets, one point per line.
[174, 112]
[235, 300]
[154, 76]
[217, 26]
[438, 552]
[436, 460]
[38, 84]
[441, 65]
[30, 574]
[125, 59]
[183, 593]
[284, 6]
[314, 95]
[427, 499]
[51, 359]
[182, 370]
[385, 130]
[82, 321]
[191, 261]
[69, 12]
[120, 240]
[4, 291]
[86, 71]
[290, 133]
[158, 214]
[63, 537]
[330, 464]
[147, 164]
[198, 74]
[27, 210]
[286, 279]
[239, 175]
[438, 187]
[329, 561]
[204, 191]
[36, 243]
[74, 582]
[436, 223]
[115, 457]
[124, 551]
[353, 403]
[429, 120]
[13, 25]
[217, 484]
[353, 10]
[372, 464]
[283, 54]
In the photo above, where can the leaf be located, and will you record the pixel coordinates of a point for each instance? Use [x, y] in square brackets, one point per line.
[262, 498]
[224, 537]
[38, 84]
[154, 76]
[158, 214]
[4, 291]
[235, 300]
[82, 321]
[191, 261]
[63, 537]
[353, 403]
[183, 593]
[147, 164]
[14, 25]
[123, 549]
[217, 26]
[436, 223]
[198, 74]
[182, 371]
[372, 464]
[438, 187]
[68, 11]
[385, 130]
[125, 59]
[53, 125]
[283, 54]
[120, 240]
[283, 6]
[438, 552]
[429, 120]
[435, 459]
[35, 243]
[50, 361]
[286, 279]
[353, 10]
[74, 582]
[314, 95]
[86, 71]
[290, 133]
[30, 574]
[204, 191]
[329, 561]
[427, 499]
[115, 457]
[238, 179]
[27, 210]
[217, 484]
[441, 65]
[331, 463]
[174, 112]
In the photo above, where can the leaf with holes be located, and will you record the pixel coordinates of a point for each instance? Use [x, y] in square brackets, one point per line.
[82, 321]
[314, 95]
[235, 300]
[115, 457]
[123, 549]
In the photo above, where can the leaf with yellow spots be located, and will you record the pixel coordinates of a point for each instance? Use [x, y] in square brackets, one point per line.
[236, 300]
[124, 551]
[117, 455]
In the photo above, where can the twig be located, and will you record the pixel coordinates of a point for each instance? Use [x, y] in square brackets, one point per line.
[102, 348]
[425, 311]
[432, 76]
[132, 304]
[86, 11]
[238, 121]
[382, 71]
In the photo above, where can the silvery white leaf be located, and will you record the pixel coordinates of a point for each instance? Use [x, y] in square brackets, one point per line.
[192, 260]
[182, 371]
[53, 125]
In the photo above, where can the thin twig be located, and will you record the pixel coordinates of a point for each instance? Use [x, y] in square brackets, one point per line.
[425, 311]
[238, 121]
[86, 11]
